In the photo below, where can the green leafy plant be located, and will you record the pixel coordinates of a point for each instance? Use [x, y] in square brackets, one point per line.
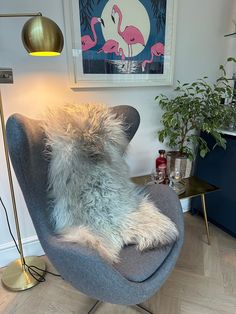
[196, 107]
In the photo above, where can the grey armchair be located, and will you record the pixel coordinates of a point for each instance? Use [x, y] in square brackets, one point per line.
[138, 275]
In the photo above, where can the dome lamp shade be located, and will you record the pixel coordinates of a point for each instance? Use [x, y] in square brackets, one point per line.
[42, 37]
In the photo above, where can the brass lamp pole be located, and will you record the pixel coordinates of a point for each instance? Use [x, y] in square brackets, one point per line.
[41, 37]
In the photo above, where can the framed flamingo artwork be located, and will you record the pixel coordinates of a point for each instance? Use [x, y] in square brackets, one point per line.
[120, 43]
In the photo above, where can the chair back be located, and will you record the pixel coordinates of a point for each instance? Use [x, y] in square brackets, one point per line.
[26, 142]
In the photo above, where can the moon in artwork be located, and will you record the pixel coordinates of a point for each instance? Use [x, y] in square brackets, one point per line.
[133, 14]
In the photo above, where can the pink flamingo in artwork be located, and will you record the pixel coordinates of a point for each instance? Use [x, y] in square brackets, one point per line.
[86, 40]
[112, 46]
[131, 34]
[156, 50]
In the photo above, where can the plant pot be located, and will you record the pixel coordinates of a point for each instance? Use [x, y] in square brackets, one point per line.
[178, 163]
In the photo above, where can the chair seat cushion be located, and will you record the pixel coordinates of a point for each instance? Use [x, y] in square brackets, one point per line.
[138, 266]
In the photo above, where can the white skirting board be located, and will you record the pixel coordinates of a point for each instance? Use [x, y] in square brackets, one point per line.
[9, 253]
[185, 204]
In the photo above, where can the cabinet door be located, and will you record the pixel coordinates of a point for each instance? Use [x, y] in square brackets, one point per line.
[219, 168]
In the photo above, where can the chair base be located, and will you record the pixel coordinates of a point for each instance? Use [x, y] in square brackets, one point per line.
[137, 307]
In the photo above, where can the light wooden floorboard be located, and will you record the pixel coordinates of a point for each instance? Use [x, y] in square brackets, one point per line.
[203, 282]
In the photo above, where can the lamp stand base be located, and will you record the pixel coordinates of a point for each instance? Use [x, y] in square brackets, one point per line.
[16, 277]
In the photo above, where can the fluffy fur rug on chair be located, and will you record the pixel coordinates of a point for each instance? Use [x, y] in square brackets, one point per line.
[94, 203]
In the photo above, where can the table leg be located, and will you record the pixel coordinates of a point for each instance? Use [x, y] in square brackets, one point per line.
[205, 217]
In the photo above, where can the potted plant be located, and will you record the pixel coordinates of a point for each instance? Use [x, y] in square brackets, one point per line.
[197, 107]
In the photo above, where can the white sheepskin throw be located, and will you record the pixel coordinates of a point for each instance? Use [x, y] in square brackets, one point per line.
[94, 202]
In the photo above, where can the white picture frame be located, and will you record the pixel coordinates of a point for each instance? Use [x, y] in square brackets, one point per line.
[78, 79]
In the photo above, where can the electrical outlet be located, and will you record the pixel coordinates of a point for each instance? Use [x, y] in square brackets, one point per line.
[6, 76]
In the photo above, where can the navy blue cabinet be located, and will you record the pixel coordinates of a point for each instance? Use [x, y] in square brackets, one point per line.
[219, 168]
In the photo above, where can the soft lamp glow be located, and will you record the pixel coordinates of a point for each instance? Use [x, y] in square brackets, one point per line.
[42, 37]
[44, 53]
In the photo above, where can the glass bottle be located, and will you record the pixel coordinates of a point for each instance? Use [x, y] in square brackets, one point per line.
[161, 166]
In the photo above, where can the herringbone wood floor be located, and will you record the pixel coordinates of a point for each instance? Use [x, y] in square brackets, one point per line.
[203, 282]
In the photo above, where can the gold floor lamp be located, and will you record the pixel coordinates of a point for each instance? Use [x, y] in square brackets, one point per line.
[41, 37]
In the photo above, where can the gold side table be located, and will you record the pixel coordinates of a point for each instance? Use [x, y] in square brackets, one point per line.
[194, 187]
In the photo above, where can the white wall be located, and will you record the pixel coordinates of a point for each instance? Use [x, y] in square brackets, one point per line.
[39, 82]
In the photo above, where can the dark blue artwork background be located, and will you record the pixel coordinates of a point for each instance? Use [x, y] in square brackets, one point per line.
[154, 37]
